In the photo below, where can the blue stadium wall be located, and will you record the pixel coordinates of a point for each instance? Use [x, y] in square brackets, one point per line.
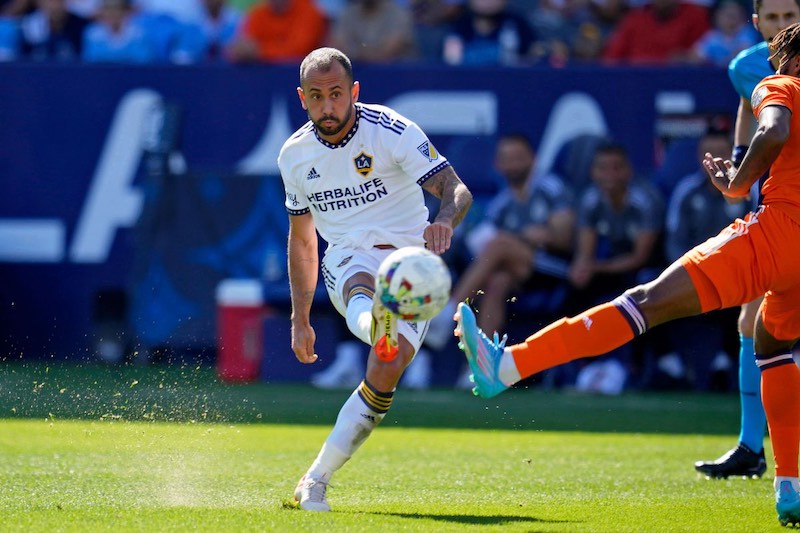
[85, 207]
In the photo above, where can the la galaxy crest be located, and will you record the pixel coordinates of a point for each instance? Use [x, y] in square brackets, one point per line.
[363, 163]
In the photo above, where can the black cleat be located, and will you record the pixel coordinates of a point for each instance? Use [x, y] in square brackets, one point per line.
[740, 461]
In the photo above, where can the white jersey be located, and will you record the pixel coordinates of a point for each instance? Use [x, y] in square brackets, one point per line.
[365, 190]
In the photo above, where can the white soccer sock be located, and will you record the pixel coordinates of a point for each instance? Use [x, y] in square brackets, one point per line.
[359, 317]
[508, 372]
[793, 480]
[353, 425]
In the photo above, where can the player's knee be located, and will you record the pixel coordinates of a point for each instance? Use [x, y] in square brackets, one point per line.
[745, 324]
[640, 295]
[650, 302]
[390, 371]
[747, 317]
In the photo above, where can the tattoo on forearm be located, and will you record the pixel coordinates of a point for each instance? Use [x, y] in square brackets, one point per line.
[454, 195]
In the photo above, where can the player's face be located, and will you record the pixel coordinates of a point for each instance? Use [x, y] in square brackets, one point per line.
[774, 16]
[514, 160]
[328, 97]
[611, 172]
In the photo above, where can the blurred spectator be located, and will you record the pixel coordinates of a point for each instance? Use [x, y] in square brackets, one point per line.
[52, 33]
[696, 351]
[374, 31]
[87, 9]
[330, 9]
[432, 19]
[220, 24]
[489, 33]
[593, 32]
[174, 29]
[9, 39]
[184, 11]
[279, 31]
[243, 5]
[15, 8]
[117, 36]
[528, 233]
[557, 23]
[732, 33]
[207, 40]
[661, 32]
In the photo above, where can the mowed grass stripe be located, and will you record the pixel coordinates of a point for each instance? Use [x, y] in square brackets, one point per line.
[88, 475]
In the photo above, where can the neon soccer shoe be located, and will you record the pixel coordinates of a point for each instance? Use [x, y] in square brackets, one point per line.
[483, 355]
[740, 461]
[384, 332]
[310, 494]
[787, 503]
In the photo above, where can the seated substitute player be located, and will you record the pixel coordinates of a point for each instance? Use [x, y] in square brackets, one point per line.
[528, 232]
[355, 173]
[751, 257]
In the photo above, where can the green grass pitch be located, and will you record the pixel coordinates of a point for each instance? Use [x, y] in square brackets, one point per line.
[149, 449]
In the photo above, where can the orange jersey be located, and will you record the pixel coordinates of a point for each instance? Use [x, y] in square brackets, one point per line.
[782, 187]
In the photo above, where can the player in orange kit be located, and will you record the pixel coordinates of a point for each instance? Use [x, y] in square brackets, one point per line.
[751, 257]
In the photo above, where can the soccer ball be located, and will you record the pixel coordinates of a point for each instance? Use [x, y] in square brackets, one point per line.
[413, 284]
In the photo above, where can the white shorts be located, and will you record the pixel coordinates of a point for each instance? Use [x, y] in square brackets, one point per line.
[340, 264]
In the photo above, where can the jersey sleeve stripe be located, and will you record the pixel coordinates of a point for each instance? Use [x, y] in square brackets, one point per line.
[433, 171]
[296, 212]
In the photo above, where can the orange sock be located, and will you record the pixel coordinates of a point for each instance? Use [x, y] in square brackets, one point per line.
[594, 332]
[780, 392]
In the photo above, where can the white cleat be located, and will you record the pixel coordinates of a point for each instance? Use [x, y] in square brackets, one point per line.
[310, 494]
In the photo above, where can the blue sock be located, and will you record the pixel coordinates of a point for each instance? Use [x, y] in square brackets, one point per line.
[754, 421]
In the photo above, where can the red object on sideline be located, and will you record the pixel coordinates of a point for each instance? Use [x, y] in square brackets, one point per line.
[240, 337]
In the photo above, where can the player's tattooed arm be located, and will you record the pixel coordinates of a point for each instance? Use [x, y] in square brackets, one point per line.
[454, 196]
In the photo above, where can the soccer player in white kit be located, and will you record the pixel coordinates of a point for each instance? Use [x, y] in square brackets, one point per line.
[355, 173]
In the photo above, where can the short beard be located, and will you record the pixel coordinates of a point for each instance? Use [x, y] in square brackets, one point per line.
[329, 132]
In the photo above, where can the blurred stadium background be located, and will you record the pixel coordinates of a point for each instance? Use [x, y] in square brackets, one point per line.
[129, 194]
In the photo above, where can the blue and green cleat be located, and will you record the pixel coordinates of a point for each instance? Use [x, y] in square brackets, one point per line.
[788, 505]
[483, 354]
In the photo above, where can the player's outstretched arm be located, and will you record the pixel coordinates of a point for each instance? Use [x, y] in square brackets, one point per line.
[455, 201]
[303, 272]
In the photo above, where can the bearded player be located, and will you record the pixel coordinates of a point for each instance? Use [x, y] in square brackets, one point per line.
[355, 173]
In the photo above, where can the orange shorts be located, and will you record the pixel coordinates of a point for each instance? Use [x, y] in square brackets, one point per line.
[757, 256]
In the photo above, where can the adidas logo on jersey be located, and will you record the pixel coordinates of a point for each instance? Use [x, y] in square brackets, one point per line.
[313, 174]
